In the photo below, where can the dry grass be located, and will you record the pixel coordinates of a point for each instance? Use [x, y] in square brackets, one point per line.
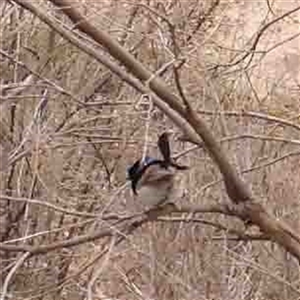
[59, 146]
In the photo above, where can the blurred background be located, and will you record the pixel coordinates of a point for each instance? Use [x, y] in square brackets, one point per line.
[69, 128]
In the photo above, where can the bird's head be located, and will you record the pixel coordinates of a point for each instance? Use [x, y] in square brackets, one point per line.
[138, 166]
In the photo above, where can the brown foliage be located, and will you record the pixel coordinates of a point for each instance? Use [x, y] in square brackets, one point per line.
[69, 127]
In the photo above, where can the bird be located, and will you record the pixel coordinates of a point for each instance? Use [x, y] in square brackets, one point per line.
[152, 179]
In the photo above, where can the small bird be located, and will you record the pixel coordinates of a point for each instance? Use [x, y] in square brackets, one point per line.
[152, 180]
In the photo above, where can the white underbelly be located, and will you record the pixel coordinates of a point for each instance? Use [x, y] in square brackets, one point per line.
[150, 196]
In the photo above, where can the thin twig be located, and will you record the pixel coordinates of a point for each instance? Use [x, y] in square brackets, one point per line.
[11, 273]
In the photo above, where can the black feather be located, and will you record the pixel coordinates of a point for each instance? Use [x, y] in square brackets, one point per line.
[164, 147]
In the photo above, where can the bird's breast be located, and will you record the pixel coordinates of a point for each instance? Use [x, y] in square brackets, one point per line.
[150, 195]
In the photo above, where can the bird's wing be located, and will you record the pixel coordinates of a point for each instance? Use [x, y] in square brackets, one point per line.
[155, 173]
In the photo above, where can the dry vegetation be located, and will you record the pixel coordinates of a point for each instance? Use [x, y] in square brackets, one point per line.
[70, 127]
